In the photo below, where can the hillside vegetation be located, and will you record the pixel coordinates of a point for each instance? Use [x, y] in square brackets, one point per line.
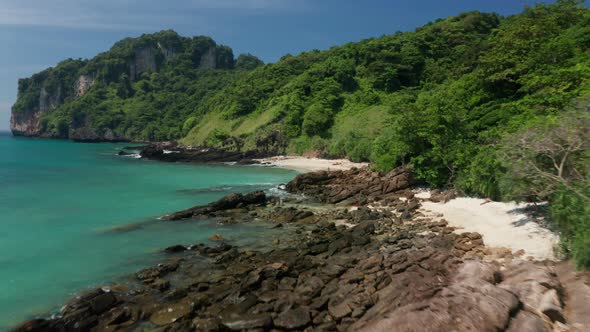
[470, 101]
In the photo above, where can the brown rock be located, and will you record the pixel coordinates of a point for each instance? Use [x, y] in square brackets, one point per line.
[293, 319]
[168, 314]
[527, 322]
[247, 321]
[216, 237]
[160, 284]
[206, 324]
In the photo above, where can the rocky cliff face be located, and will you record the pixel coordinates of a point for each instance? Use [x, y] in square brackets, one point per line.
[45, 92]
[209, 60]
[144, 62]
[28, 123]
[83, 84]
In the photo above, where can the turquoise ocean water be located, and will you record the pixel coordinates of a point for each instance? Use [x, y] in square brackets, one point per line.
[61, 203]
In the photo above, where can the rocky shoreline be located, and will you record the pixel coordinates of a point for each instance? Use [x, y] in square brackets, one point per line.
[380, 266]
[173, 152]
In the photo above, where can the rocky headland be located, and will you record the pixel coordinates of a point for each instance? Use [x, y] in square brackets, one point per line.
[356, 254]
[173, 152]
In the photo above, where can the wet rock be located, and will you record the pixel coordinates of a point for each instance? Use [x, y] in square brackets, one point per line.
[248, 321]
[120, 316]
[175, 249]
[124, 153]
[216, 237]
[160, 284]
[102, 302]
[160, 270]
[169, 314]
[35, 325]
[206, 324]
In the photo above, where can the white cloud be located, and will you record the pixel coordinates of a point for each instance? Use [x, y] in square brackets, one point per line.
[124, 14]
[61, 13]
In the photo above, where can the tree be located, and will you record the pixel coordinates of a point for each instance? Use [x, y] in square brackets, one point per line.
[548, 157]
[248, 61]
[316, 120]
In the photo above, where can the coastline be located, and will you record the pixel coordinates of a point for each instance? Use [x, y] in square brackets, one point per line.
[337, 266]
[304, 165]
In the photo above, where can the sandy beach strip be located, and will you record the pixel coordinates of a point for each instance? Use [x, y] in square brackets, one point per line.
[303, 164]
[501, 224]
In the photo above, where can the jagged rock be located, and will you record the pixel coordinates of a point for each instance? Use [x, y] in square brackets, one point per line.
[536, 286]
[102, 302]
[293, 319]
[230, 201]
[248, 321]
[172, 152]
[157, 271]
[169, 314]
[160, 284]
[35, 325]
[175, 249]
[527, 322]
[206, 324]
[354, 185]
[550, 305]
[216, 237]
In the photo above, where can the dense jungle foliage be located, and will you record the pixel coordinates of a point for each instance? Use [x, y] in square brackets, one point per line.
[452, 98]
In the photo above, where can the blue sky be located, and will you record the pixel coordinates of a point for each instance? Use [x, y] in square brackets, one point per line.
[36, 34]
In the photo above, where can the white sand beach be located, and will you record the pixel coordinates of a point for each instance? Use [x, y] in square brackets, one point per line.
[302, 164]
[500, 224]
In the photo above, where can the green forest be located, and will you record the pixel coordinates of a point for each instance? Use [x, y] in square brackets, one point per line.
[493, 106]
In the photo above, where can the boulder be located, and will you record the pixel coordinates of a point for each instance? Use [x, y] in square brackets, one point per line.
[231, 201]
[293, 319]
[355, 186]
[168, 314]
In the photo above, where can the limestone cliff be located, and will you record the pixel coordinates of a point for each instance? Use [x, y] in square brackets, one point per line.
[46, 93]
[144, 61]
[83, 84]
[28, 123]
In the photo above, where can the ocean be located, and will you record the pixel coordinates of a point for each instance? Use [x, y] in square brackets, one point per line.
[75, 216]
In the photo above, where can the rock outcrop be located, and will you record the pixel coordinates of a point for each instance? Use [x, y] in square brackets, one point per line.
[83, 84]
[228, 202]
[172, 152]
[352, 187]
[144, 61]
[28, 123]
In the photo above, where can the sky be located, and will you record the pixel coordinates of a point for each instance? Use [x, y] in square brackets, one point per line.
[36, 34]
